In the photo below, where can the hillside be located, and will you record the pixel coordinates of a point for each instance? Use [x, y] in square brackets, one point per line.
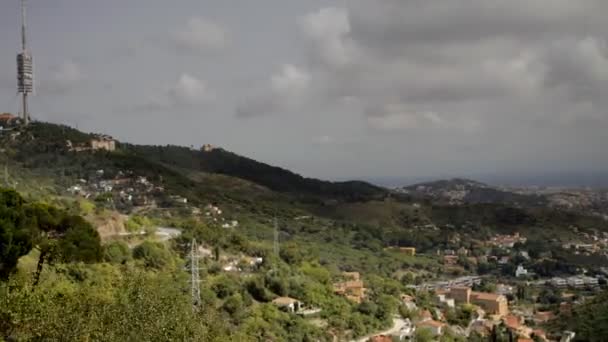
[220, 161]
[462, 191]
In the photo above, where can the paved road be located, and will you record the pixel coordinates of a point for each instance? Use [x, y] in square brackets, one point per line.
[163, 233]
[398, 323]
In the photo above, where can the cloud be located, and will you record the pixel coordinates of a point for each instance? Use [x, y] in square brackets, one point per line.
[290, 81]
[187, 91]
[286, 88]
[328, 32]
[463, 65]
[200, 35]
[323, 140]
[63, 78]
[398, 117]
[577, 67]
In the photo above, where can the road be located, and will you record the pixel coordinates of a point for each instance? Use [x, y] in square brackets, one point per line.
[162, 233]
[398, 323]
[165, 233]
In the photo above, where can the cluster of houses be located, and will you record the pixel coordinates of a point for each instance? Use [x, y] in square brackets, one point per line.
[125, 188]
[494, 305]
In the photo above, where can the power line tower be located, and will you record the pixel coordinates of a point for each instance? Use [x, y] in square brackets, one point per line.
[275, 245]
[195, 279]
[25, 68]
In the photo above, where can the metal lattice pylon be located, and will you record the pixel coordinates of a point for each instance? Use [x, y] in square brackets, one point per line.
[195, 281]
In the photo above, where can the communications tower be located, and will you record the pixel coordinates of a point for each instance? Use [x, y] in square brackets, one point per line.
[25, 68]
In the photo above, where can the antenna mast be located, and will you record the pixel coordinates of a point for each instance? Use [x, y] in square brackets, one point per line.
[25, 68]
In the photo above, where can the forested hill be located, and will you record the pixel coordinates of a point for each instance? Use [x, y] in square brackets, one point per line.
[45, 145]
[275, 178]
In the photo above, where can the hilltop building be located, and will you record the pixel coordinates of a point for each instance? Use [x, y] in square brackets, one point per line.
[8, 120]
[103, 142]
[208, 148]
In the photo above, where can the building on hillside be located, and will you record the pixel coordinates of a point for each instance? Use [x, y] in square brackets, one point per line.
[558, 282]
[103, 142]
[507, 241]
[288, 304]
[409, 302]
[411, 251]
[445, 301]
[521, 271]
[436, 328]
[492, 303]
[543, 316]
[208, 148]
[352, 288]
[406, 332]
[567, 336]
[514, 323]
[451, 260]
[8, 120]
[381, 338]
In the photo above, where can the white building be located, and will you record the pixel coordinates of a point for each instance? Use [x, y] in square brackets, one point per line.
[521, 271]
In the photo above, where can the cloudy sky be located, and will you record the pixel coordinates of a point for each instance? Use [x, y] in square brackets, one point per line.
[330, 89]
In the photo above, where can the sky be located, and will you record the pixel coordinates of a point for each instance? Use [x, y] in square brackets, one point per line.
[330, 89]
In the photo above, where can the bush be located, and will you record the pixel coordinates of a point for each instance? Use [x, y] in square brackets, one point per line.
[116, 252]
[153, 254]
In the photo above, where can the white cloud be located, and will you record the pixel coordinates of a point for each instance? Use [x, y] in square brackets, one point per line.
[291, 80]
[187, 91]
[200, 35]
[329, 32]
[286, 88]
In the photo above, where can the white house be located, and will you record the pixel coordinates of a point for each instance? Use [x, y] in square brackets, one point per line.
[288, 304]
[521, 271]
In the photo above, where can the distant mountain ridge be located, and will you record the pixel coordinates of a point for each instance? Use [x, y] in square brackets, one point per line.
[463, 191]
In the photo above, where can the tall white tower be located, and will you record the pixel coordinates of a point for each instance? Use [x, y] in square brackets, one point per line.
[25, 68]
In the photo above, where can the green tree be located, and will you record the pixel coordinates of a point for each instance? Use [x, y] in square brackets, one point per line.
[15, 239]
[117, 252]
[153, 254]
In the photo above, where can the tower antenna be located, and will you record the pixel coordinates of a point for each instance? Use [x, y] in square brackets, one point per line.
[25, 68]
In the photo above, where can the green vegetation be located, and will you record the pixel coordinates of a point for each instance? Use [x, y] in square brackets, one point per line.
[589, 320]
[52, 262]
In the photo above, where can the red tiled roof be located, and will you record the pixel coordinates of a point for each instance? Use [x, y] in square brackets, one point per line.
[7, 117]
[382, 338]
[486, 296]
[512, 321]
[426, 314]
